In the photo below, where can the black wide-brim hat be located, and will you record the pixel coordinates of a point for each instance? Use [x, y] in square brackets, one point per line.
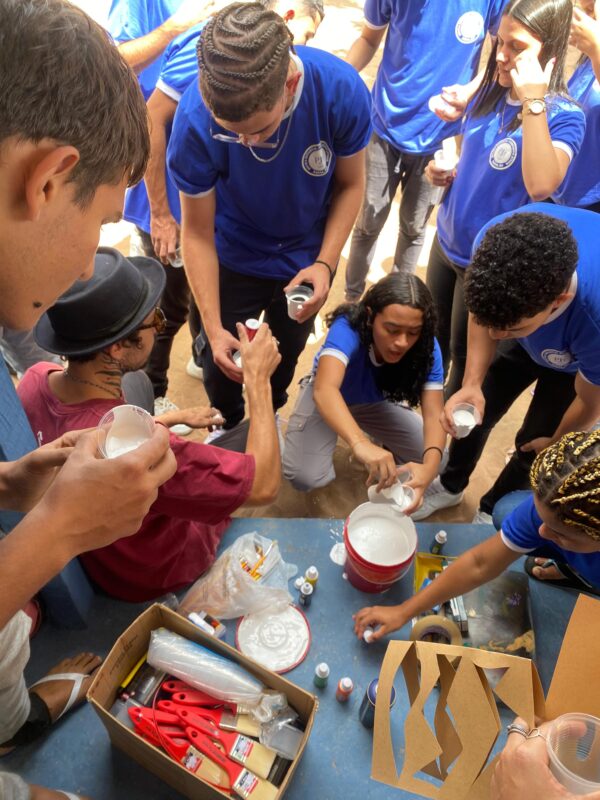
[94, 314]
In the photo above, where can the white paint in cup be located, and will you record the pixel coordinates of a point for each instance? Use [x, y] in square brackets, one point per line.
[124, 428]
[464, 417]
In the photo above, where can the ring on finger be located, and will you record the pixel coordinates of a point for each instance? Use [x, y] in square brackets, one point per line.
[534, 733]
[514, 728]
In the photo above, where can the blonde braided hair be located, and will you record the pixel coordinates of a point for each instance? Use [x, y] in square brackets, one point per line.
[566, 476]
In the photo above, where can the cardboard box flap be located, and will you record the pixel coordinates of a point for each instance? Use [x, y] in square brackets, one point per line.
[574, 685]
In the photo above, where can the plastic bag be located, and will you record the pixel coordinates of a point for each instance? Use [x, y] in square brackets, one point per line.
[229, 590]
[212, 673]
[202, 668]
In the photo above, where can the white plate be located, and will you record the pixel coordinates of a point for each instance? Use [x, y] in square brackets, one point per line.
[277, 641]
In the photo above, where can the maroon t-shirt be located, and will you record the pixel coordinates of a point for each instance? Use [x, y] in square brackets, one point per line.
[178, 538]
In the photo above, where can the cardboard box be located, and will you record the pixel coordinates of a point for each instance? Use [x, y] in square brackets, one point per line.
[456, 747]
[129, 648]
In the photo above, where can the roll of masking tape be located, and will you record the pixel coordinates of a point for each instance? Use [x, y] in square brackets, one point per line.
[436, 628]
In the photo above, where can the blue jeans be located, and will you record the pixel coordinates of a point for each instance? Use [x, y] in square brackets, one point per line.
[387, 169]
[506, 505]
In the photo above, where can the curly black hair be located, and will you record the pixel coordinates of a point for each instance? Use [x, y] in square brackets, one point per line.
[522, 264]
[401, 382]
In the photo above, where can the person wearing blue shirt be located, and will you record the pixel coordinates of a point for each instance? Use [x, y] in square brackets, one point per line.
[559, 522]
[380, 358]
[533, 286]
[406, 129]
[143, 28]
[268, 155]
[519, 137]
[581, 186]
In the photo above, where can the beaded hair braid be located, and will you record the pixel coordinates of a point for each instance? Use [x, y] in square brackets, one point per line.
[243, 56]
[566, 476]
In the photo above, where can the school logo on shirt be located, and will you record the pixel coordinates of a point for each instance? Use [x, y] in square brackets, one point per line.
[316, 159]
[504, 154]
[469, 27]
[557, 358]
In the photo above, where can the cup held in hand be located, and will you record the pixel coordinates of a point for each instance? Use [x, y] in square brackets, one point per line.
[465, 416]
[296, 297]
[123, 429]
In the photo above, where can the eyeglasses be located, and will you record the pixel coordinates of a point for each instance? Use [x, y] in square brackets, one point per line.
[159, 323]
[239, 139]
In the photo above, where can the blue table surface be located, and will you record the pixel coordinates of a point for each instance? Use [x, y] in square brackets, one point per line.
[77, 755]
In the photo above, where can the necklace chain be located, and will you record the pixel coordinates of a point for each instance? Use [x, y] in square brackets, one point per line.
[68, 375]
[280, 148]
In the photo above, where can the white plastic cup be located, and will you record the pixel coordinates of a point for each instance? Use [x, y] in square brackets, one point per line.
[237, 359]
[437, 103]
[397, 495]
[465, 416]
[573, 744]
[123, 429]
[296, 298]
[446, 164]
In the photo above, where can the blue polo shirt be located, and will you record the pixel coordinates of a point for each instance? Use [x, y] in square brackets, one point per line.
[270, 217]
[570, 340]
[520, 533]
[428, 45]
[360, 382]
[179, 68]
[489, 175]
[581, 186]
[131, 19]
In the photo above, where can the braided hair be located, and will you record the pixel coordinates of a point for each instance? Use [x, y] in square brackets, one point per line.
[566, 476]
[401, 382]
[243, 56]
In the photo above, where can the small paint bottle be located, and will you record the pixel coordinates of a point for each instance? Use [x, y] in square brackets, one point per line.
[312, 576]
[439, 540]
[299, 582]
[321, 675]
[252, 326]
[366, 712]
[344, 689]
[367, 635]
[305, 597]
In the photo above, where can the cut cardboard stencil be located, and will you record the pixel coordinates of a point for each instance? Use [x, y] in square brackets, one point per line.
[458, 746]
[455, 749]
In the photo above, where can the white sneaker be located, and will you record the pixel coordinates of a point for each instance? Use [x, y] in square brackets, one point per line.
[194, 371]
[212, 435]
[161, 406]
[482, 518]
[436, 498]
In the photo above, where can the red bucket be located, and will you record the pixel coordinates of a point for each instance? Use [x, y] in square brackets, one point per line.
[380, 544]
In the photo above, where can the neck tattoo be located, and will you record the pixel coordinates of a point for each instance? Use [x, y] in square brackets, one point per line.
[109, 390]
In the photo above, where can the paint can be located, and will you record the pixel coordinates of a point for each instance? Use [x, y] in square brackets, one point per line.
[366, 712]
[312, 576]
[321, 675]
[252, 326]
[344, 689]
[305, 597]
[437, 545]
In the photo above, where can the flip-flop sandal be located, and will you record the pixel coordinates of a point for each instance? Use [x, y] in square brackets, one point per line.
[39, 719]
[77, 678]
[571, 580]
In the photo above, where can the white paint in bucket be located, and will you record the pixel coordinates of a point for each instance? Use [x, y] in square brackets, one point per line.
[381, 536]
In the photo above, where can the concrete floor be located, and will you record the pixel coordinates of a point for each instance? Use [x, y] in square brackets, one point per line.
[342, 24]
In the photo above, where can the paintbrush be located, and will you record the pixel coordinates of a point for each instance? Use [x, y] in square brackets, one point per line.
[253, 755]
[243, 782]
[242, 723]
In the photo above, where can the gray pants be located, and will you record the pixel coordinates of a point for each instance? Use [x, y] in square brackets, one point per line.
[310, 442]
[388, 168]
[14, 698]
[21, 351]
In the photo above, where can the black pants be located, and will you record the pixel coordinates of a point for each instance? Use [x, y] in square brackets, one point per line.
[178, 306]
[244, 296]
[510, 373]
[445, 281]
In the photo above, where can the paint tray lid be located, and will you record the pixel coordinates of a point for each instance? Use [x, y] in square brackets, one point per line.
[278, 641]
